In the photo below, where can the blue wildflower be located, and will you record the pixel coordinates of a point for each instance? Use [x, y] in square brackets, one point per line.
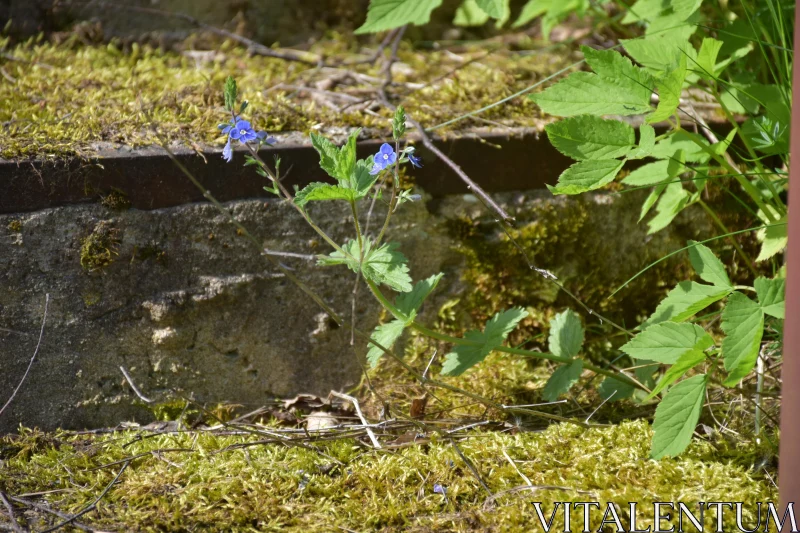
[415, 160]
[227, 152]
[242, 132]
[263, 136]
[384, 158]
[439, 489]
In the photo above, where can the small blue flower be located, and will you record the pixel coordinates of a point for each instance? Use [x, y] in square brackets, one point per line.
[384, 158]
[439, 489]
[242, 132]
[227, 152]
[415, 160]
[263, 136]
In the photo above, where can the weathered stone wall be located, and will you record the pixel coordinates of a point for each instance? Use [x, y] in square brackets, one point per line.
[186, 304]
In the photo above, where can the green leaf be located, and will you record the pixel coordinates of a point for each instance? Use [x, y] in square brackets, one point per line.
[707, 58]
[659, 52]
[389, 14]
[583, 93]
[346, 159]
[707, 266]
[230, 93]
[497, 329]
[410, 302]
[686, 299]
[361, 180]
[669, 91]
[649, 174]
[399, 123]
[774, 239]
[590, 137]
[667, 342]
[677, 416]
[652, 10]
[566, 334]
[470, 14]
[672, 202]
[771, 296]
[647, 141]
[385, 335]
[587, 176]
[562, 380]
[328, 154]
[614, 390]
[685, 362]
[322, 191]
[532, 9]
[384, 265]
[494, 8]
[743, 324]
[682, 140]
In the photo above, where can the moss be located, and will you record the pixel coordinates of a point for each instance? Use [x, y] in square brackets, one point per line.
[100, 248]
[272, 487]
[116, 200]
[70, 96]
[15, 226]
[152, 251]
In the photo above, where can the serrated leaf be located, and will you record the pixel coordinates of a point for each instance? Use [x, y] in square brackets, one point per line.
[322, 191]
[589, 137]
[649, 174]
[497, 329]
[385, 335]
[384, 265]
[707, 58]
[667, 342]
[682, 140]
[656, 53]
[669, 91]
[566, 334]
[672, 201]
[685, 362]
[647, 141]
[564, 377]
[771, 296]
[494, 8]
[707, 266]
[410, 302]
[586, 93]
[385, 15]
[346, 159]
[328, 154]
[361, 180]
[774, 237]
[677, 416]
[686, 299]
[743, 324]
[587, 176]
[470, 14]
[651, 200]
[652, 10]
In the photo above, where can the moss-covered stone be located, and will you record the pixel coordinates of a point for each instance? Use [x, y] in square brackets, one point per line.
[68, 97]
[100, 248]
[221, 485]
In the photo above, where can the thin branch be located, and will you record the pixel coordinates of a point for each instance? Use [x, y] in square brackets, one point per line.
[352, 400]
[129, 379]
[36, 351]
[11, 515]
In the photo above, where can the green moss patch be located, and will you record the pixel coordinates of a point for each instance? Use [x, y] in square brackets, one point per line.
[67, 97]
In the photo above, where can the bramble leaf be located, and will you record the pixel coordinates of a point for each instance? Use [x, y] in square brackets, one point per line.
[686, 362]
[707, 266]
[564, 377]
[614, 390]
[586, 176]
[497, 329]
[496, 9]
[672, 201]
[389, 14]
[667, 342]
[686, 299]
[590, 137]
[743, 324]
[669, 91]
[677, 416]
[771, 296]
[566, 334]
[774, 239]
[682, 140]
[707, 58]
[470, 14]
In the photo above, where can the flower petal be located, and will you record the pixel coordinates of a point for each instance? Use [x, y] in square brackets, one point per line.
[386, 149]
[227, 152]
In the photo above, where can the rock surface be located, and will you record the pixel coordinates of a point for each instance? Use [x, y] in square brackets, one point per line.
[188, 306]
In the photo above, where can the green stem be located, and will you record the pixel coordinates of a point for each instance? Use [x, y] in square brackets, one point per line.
[713, 216]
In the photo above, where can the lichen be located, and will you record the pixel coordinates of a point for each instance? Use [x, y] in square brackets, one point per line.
[14, 226]
[100, 248]
[69, 96]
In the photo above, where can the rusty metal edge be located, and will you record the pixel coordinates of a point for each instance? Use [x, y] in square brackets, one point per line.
[789, 461]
